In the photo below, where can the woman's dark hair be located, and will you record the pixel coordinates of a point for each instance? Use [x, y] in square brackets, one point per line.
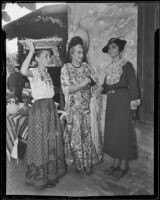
[38, 52]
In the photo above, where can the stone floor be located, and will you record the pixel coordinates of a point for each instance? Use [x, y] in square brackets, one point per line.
[136, 182]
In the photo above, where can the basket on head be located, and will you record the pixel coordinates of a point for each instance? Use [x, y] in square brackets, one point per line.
[47, 43]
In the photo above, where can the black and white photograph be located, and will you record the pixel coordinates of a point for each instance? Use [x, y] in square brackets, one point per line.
[80, 85]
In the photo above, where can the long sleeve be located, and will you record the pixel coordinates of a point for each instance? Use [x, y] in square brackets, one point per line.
[65, 83]
[89, 73]
[105, 87]
[132, 82]
[92, 82]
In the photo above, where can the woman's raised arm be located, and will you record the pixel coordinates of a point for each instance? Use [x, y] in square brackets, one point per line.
[24, 69]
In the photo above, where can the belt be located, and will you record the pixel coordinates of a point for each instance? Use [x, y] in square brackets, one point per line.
[111, 91]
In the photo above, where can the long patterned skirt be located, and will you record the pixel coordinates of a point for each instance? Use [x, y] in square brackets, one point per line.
[45, 153]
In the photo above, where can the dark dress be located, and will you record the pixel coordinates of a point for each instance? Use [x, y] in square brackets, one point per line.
[119, 134]
[15, 84]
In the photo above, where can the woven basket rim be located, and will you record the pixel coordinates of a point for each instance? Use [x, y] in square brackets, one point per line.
[38, 43]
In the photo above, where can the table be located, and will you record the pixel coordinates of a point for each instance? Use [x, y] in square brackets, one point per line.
[16, 128]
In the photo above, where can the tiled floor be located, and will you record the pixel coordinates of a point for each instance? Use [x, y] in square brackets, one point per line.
[136, 182]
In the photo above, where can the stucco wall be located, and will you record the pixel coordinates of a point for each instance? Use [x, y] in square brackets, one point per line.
[103, 21]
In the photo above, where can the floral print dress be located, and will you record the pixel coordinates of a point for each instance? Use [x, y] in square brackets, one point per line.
[79, 148]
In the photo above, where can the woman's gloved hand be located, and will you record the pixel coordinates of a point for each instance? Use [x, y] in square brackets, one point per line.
[92, 81]
[104, 86]
[134, 115]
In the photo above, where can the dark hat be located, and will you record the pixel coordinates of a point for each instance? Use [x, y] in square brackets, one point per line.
[120, 43]
[83, 34]
[75, 41]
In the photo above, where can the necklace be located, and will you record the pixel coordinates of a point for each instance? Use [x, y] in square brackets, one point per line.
[76, 66]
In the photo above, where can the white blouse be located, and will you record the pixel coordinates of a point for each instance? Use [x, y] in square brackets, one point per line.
[41, 84]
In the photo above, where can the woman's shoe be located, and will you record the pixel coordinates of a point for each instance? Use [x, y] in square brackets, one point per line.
[111, 170]
[120, 173]
[89, 172]
[78, 170]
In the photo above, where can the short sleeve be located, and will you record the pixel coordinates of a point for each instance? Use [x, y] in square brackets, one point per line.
[34, 73]
[132, 82]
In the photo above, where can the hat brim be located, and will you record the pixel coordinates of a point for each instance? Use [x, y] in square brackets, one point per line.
[119, 43]
[105, 49]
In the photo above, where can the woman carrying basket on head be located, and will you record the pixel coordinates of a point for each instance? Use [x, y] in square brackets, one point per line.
[45, 157]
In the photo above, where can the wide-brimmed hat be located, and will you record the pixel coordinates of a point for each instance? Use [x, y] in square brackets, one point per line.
[80, 36]
[119, 42]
